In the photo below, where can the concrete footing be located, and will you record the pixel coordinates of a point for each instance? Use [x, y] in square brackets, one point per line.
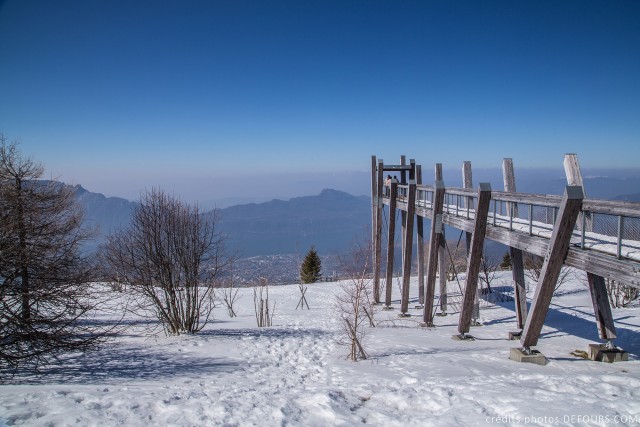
[600, 353]
[513, 336]
[536, 357]
[462, 337]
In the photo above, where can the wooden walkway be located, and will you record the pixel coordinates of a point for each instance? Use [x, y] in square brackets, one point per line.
[600, 237]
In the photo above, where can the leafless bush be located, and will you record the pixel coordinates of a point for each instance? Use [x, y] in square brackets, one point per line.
[621, 295]
[457, 257]
[533, 268]
[354, 301]
[488, 267]
[229, 295]
[264, 313]
[169, 259]
[46, 286]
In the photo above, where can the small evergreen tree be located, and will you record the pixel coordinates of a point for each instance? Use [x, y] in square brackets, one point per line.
[310, 268]
[506, 261]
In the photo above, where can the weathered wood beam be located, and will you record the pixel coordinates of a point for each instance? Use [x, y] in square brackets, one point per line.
[597, 287]
[601, 307]
[554, 259]
[432, 260]
[474, 258]
[396, 168]
[408, 241]
[605, 265]
[467, 183]
[420, 243]
[443, 261]
[378, 232]
[393, 193]
[374, 217]
[403, 213]
[517, 264]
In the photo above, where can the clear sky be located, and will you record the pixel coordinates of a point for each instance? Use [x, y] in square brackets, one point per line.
[214, 99]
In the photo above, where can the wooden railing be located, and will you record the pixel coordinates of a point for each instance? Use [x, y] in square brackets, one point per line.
[609, 228]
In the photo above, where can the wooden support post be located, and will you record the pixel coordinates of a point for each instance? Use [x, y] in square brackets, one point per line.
[374, 198]
[408, 241]
[467, 182]
[474, 259]
[403, 214]
[378, 232]
[420, 244]
[374, 218]
[443, 261]
[434, 243]
[390, 241]
[558, 247]
[597, 288]
[517, 264]
[601, 307]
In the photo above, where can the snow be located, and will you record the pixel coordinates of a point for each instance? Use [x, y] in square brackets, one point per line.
[295, 373]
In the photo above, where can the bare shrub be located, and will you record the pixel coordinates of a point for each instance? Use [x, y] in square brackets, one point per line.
[621, 295]
[533, 268]
[354, 301]
[489, 264]
[264, 313]
[169, 259]
[229, 295]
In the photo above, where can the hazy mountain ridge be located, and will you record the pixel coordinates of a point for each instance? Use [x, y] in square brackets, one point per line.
[328, 221]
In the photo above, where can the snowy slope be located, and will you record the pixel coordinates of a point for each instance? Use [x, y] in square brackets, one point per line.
[294, 373]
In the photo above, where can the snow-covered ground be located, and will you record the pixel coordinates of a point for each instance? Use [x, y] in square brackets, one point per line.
[295, 373]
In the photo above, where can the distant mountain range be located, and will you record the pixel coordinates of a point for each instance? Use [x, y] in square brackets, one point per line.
[330, 221]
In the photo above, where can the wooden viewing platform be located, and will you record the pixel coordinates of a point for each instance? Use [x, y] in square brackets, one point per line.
[600, 237]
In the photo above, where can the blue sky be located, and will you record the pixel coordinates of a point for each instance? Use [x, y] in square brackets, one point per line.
[262, 99]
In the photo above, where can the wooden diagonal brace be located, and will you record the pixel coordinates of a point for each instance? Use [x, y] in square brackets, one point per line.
[475, 257]
[553, 261]
[432, 263]
[408, 246]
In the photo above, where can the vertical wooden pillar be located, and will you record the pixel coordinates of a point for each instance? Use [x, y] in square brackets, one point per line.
[467, 182]
[378, 242]
[420, 243]
[408, 241]
[403, 214]
[390, 241]
[443, 261]
[374, 217]
[474, 258]
[597, 288]
[517, 264]
[558, 247]
[432, 260]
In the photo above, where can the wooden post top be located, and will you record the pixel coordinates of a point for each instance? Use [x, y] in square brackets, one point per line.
[574, 192]
[485, 186]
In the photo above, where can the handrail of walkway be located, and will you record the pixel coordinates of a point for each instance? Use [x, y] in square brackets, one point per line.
[607, 226]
